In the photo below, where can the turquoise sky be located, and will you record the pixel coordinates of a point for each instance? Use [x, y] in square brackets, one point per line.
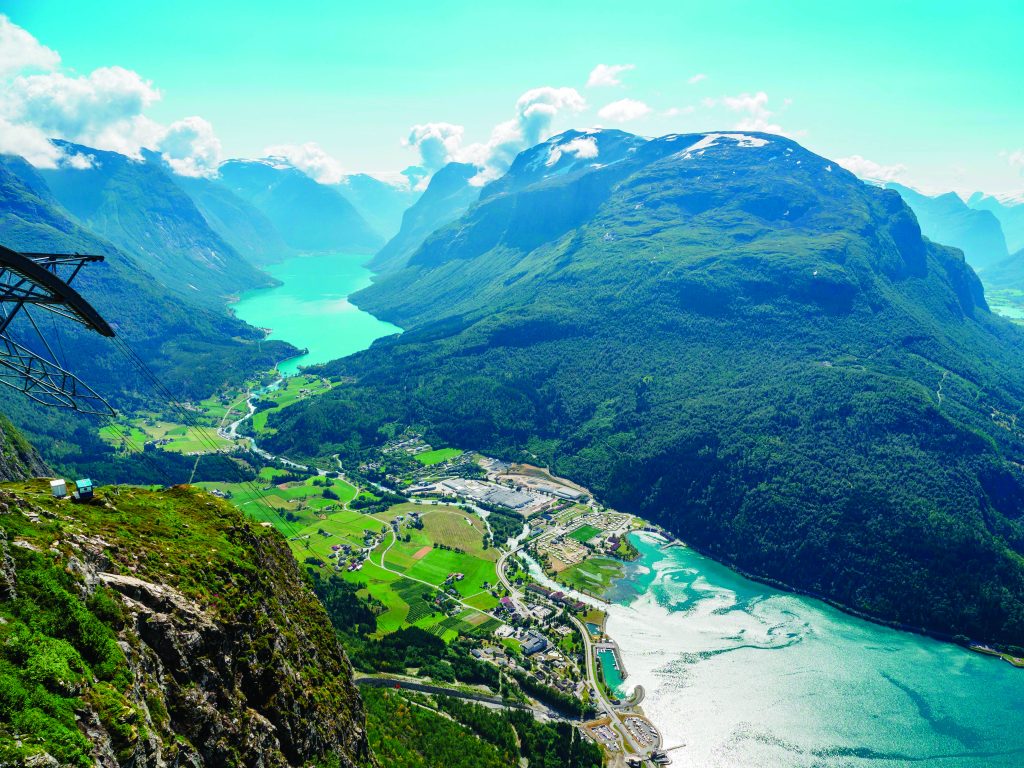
[935, 86]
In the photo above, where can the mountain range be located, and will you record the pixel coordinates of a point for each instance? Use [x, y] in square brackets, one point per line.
[989, 230]
[138, 207]
[731, 336]
[447, 196]
[310, 217]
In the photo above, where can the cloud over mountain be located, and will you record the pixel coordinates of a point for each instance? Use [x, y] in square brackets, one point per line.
[105, 108]
[311, 159]
[535, 113]
[869, 169]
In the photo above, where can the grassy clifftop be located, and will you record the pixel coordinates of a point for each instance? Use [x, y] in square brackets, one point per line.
[160, 627]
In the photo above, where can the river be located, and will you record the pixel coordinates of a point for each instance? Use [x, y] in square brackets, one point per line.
[311, 309]
[746, 675]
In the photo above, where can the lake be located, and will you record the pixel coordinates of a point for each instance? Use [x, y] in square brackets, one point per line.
[311, 309]
[746, 675]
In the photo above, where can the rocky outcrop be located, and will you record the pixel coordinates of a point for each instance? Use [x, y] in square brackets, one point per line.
[229, 659]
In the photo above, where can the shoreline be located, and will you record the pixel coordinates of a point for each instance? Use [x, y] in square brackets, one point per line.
[944, 637]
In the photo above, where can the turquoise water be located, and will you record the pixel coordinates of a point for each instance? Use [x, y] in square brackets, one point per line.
[612, 674]
[745, 675]
[311, 308]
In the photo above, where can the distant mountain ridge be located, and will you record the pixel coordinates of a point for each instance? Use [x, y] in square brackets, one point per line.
[947, 219]
[1009, 209]
[139, 207]
[310, 217]
[236, 220]
[736, 338]
[380, 203]
[447, 197]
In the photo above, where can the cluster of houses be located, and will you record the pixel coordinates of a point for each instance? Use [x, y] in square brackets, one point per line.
[82, 490]
[557, 597]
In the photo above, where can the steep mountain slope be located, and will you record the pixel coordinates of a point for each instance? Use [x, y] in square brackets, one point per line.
[1010, 212]
[162, 628]
[310, 217]
[380, 203]
[447, 197]
[194, 348]
[948, 220]
[18, 459]
[139, 207]
[239, 222]
[736, 338]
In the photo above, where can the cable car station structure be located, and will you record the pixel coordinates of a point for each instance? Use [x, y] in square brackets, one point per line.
[41, 282]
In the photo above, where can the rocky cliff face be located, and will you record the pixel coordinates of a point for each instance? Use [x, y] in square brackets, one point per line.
[160, 629]
[18, 459]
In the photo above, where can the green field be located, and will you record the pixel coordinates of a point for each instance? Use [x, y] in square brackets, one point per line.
[291, 390]
[584, 533]
[437, 456]
[180, 438]
[595, 574]
[303, 500]
[398, 585]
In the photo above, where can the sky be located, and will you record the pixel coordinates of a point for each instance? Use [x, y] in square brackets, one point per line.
[927, 93]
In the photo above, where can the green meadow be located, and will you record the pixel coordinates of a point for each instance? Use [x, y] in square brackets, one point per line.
[437, 456]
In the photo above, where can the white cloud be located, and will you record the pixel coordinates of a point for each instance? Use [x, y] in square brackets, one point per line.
[29, 142]
[1015, 159]
[107, 103]
[438, 143]
[623, 110]
[19, 51]
[870, 170]
[582, 148]
[536, 111]
[311, 159]
[607, 75]
[191, 147]
[699, 77]
[754, 108]
[104, 109]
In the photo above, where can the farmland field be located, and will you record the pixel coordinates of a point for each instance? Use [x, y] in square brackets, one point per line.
[408, 601]
[303, 500]
[179, 438]
[437, 456]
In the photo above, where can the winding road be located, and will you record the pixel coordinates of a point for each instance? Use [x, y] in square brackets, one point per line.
[590, 659]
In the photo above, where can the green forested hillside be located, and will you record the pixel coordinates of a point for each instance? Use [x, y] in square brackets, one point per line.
[193, 349]
[137, 206]
[239, 222]
[738, 339]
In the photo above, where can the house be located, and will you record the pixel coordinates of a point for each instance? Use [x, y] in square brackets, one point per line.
[84, 488]
[534, 643]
